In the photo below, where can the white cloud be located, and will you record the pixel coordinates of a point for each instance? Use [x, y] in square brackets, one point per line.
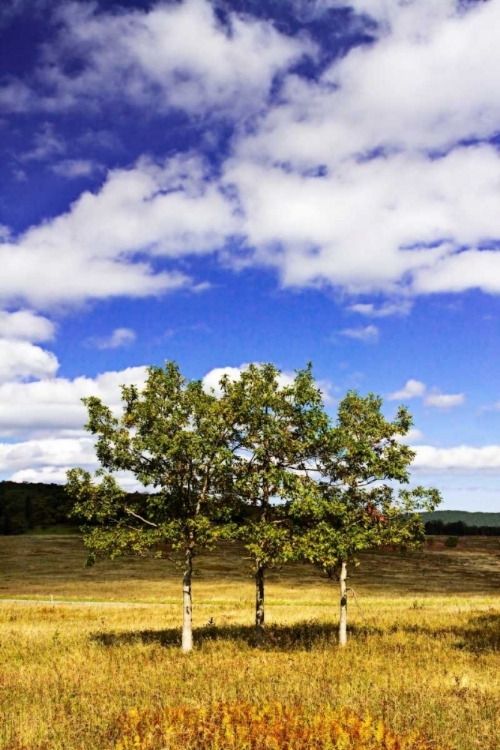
[412, 389]
[49, 459]
[359, 180]
[48, 408]
[434, 397]
[92, 250]
[211, 381]
[73, 168]
[25, 324]
[46, 145]
[174, 55]
[119, 337]
[46, 474]
[444, 400]
[413, 436]
[368, 334]
[21, 360]
[308, 227]
[425, 83]
[45, 453]
[337, 184]
[57, 474]
[400, 307]
[463, 458]
[464, 269]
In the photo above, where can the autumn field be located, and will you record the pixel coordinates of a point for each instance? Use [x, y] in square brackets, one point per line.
[94, 662]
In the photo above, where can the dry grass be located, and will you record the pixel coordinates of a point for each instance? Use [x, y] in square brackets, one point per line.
[424, 652]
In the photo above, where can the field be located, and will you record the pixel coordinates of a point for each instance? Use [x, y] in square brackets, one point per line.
[423, 655]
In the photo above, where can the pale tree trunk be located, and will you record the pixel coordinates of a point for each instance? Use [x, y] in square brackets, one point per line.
[259, 600]
[187, 603]
[343, 605]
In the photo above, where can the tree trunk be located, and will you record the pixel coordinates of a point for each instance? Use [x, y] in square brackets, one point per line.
[187, 603]
[343, 605]
[259, 600]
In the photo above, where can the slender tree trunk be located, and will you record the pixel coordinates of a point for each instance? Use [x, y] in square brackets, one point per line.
[187, 603]
[259, 600]
[343, 605]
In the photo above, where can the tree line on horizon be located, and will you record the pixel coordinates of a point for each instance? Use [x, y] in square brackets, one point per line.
[259, 461]
[28, 506]
[439, 527]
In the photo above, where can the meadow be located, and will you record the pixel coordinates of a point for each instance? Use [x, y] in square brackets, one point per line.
[90, 658]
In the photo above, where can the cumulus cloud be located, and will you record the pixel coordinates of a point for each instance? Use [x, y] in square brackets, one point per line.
[47, 460]
[413, 435]
[374, 178]
[425, 83]
[119, 337]
[25, 324]
[211, 381]
[308, 227]
[432, 397]
[444, 400]
[51, 407]
[360, 180]
[47, 453]
[173, 55]
[463, 458]
[412, 389]
[21, 360]
[57, 475]
[149, 211]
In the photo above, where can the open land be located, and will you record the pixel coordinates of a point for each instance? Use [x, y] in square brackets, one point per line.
[423, 654]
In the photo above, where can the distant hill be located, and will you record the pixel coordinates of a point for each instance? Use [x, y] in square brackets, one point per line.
[25, 506]
[471, 519]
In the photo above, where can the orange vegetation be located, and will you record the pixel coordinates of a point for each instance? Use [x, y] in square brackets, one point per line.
[244, 726]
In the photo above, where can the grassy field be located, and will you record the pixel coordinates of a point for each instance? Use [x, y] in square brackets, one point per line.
[423, 656]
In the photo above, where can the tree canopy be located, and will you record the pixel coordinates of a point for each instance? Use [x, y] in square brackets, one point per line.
[357, 504]
[172, 436]
[261, 462]
[276, 429]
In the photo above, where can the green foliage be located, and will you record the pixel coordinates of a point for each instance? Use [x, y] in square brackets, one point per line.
[173, 437]
[451, 542]
[275, 431]
[25, 506]
[355, 505]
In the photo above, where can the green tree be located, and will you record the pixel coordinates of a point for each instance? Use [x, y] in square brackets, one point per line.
[275, 432]
[357, 505]
[173, 437]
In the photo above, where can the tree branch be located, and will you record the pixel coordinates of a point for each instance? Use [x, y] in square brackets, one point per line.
[140, 518]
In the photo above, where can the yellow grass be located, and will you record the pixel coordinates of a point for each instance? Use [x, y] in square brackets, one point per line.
[423, 656]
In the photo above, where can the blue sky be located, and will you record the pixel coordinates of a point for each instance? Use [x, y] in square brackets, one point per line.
[245, 181]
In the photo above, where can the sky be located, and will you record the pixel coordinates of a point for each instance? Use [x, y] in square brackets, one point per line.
[219, 182]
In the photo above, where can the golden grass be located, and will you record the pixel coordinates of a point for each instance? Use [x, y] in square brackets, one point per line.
[423, 655]
[268, 726]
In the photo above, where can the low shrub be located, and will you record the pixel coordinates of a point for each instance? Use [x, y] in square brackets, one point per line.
[245, 726]
[452, 541]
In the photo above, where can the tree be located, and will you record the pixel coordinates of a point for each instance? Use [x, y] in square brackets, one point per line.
[172, 436]
[356, 505]
[275, 432]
